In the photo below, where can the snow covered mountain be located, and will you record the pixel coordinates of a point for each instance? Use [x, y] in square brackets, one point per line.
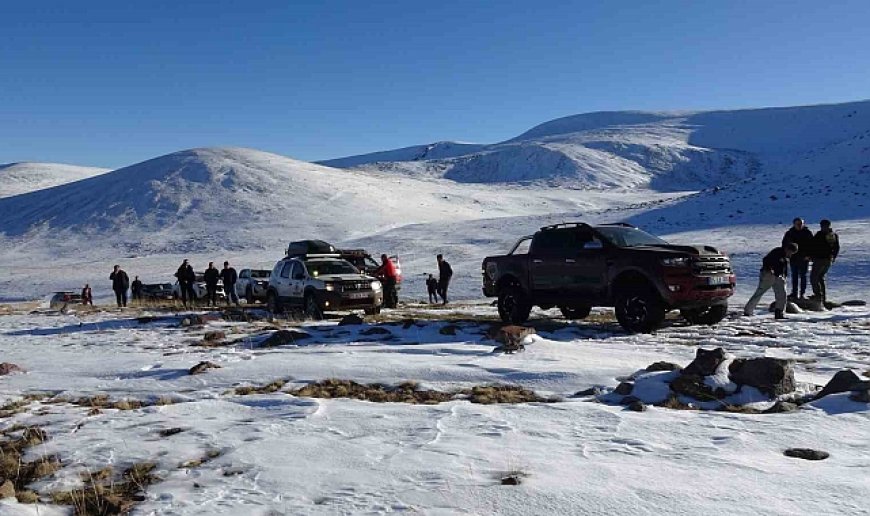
[20, 178]
[666, 151]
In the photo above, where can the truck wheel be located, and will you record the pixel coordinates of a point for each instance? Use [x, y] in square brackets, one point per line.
[640, 310]
[513, 305]
[375, 310]
[708, 315]
[249, 295]
[312, 311]
[576, 312]
[273, 304]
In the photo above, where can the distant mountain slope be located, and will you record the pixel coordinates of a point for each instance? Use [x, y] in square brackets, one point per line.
[20, 178]
[666, 151]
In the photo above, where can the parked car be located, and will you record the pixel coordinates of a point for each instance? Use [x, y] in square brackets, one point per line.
[577, 266]
[199, 289]
[253, 284]
[318, 283]
[60, 299]
[157, 291]
[367, 264]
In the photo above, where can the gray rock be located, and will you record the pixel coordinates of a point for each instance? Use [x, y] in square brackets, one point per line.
[806, 454]
[637, 406]
[624, 388]
[663, 366]
[706, 362]
[860, 396]
[591, 391]
[203, 367]
[841, 382]
[284, 337]
[772, 376]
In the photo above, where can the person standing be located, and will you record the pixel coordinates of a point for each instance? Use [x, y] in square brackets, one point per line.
[120, 284]
[432, 287]
[136, 289]
[801, 235]
[186, 277]
[774, 270]
[445, 273]
[87, 295]
[230, 277]
[825, 248]
[389, 277]
[211, 278]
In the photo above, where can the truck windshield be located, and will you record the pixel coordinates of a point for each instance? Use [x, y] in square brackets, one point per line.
[327, 267]
[628, 237]
[260, 274]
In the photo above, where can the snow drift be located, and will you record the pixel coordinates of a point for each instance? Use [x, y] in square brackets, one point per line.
[21, 178]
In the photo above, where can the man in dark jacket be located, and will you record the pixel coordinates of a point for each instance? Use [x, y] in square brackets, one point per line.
[800, 263]
[136, 289]
[825, 248]
[445, 273]
[774, 270]
[211, 278]
[230, 277]
[186, 277]
[120, 284]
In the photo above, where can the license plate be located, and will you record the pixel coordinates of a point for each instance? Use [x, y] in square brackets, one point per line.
[719, 280]
[358, 295]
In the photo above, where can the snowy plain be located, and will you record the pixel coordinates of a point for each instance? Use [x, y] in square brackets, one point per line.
[729, 179]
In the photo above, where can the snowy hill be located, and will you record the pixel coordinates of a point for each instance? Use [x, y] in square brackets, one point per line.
[20, 178]
[673, 151]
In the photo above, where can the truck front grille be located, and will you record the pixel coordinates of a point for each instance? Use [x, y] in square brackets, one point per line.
[355, 286]
[711, 265]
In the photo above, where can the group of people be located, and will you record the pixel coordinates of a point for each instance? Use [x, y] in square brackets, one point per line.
[438, 287]
[212, 276]
[800, 248]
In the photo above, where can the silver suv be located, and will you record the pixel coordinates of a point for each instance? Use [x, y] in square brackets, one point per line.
[321, 283]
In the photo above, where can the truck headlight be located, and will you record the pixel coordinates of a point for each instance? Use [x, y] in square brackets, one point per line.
[329, 287]
[376, 285]
[675, 262]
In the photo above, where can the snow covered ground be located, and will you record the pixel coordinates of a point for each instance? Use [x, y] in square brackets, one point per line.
[284, 454]
[20, 178]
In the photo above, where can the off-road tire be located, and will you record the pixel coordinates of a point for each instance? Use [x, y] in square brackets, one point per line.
[639, 310]
[249, 295]
[514, 306]
[373, 311]
[576, 312]
[708, 316]
[310, 308]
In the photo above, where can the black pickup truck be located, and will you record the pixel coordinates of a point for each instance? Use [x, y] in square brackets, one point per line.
[577, 266]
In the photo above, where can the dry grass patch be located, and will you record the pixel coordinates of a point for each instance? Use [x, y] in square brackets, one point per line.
[195, 463]
[13, 469]
[410, 392]
[104, 494]
[268, 388]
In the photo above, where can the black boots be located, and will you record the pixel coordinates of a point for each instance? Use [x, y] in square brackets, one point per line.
[778, 315]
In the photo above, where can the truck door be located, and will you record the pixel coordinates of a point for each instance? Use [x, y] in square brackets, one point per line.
[282, 285]
[297, 283]
[586, 266]
[547, 261]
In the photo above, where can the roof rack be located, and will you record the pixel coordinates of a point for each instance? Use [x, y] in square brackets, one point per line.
[621, 224]
[311, 256]
[566, 225]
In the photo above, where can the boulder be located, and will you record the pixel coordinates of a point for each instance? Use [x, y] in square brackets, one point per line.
[284, 337]
[9, 368]
[350, 320]
[203, 367]
[591, 391]
[806, 454]
[637, 406]
[860, 396]
[706, 362]
[694, 387]
[624, 388]
[662, 366]
[841, 382]
[772, 376]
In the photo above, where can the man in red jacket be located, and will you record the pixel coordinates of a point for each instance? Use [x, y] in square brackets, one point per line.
[389, 277]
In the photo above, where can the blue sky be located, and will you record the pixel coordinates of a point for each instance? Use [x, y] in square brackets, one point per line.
[113, 83]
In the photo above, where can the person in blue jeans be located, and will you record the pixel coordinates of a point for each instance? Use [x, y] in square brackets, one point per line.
[801, 235]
